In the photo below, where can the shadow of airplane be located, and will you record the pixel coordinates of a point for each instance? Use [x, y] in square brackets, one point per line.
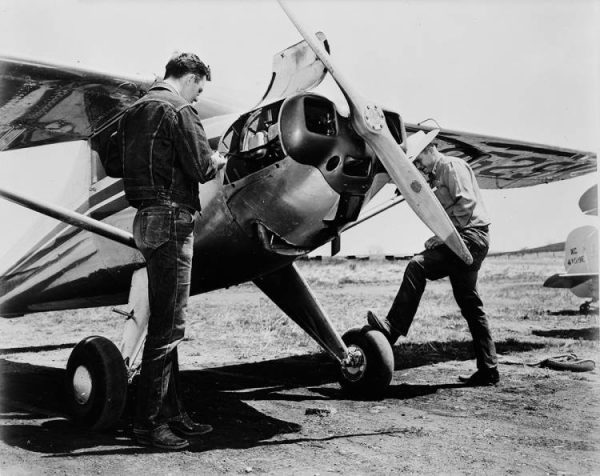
[573, 312]
[586, 333]
[217, 396]
[39, 348]
[410, 355]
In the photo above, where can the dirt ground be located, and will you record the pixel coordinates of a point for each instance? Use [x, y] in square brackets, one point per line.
[276, 407]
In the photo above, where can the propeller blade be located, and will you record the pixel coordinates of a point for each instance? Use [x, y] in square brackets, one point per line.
[369, 122]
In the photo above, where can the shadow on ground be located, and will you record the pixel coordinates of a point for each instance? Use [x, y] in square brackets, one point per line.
[217, 396]
[574, 312]
[39, 348]
[415, 355]
[587, 333]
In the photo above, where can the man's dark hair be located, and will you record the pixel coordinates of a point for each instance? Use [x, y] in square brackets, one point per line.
[183, 63]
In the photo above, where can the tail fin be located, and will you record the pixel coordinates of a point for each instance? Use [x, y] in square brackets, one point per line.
[581, 250]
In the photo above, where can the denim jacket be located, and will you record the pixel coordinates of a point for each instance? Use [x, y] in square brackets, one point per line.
[164, 149]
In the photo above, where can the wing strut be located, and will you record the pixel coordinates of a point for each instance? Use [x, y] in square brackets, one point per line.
[72, 218]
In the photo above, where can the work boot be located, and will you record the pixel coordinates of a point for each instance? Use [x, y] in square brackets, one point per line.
[481, 378]
[160, 437]
[384, 326]
[185, 426]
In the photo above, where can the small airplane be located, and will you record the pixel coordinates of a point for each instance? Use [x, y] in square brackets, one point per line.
[581, 257]
[299, 173]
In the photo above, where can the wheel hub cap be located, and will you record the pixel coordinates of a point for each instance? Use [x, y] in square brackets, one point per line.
[354, 366]
[82, 385]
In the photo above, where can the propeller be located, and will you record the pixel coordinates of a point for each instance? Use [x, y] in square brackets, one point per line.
[369, 123]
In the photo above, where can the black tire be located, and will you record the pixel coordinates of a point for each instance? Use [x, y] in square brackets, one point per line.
[585, 308]
[101, 372]
[374, 380]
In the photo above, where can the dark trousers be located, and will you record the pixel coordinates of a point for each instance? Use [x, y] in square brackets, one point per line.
[164, 235]
[440, 262]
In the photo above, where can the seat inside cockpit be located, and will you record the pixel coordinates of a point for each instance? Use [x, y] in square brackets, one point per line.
[252, 142]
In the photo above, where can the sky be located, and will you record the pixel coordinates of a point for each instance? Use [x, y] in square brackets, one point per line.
[527, 70]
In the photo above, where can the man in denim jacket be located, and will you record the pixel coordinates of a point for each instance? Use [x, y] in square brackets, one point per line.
[459, 194]
[165, 153]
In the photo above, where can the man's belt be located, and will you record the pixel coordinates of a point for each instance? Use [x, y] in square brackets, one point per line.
[164, 203]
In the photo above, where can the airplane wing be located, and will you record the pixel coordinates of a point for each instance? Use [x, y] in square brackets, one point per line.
[42, 103]
[504, 163]
[568, 281]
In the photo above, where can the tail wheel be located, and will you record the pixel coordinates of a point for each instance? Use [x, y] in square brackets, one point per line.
[368, 370]
[96, 383]
[585, 308]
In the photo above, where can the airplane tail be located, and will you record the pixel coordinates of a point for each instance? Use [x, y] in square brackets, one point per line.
[581, 264]
[581, 250]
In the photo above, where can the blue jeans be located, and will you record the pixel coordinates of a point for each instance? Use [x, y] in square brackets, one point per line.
[438, 263]
[164, 235]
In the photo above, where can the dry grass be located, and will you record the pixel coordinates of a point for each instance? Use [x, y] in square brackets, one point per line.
[242, 324]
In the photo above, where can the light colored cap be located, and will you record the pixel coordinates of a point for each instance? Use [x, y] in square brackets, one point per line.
[416, 143]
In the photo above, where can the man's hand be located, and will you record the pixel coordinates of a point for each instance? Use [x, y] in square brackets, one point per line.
[433, 242]
[218, 160]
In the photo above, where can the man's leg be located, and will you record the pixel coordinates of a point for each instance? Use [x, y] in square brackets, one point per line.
[174, 411]
[172, 405]
[430, 264]
[168, 256]
[464, 287]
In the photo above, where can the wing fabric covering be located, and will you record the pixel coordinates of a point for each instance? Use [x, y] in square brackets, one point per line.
[42, 103]
[504, 163]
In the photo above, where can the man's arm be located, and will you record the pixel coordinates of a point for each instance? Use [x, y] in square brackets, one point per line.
[458, 182]
[192, 146]
[433, 242]
[111, 156]
[459, 201]
[460, 186]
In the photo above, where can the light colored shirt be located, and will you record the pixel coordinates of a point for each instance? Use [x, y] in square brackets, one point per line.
[458, 192]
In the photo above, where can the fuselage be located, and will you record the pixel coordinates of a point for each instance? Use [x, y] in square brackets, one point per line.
[297, 173]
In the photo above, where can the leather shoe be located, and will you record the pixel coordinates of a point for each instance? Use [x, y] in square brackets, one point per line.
[185, 426]
[383, 326]
[160, 437]
[481, 378]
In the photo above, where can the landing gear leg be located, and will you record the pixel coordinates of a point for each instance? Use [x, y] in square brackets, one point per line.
[136, 325]
[365, 356]
[98, 371]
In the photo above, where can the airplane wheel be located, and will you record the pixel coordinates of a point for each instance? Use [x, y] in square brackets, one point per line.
[96, 383]
[369, 368]
[584, 308]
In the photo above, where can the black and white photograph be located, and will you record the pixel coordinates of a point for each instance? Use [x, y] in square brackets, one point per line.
[299, 237]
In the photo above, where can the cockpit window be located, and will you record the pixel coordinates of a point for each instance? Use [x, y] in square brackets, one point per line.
[252, 143]
[225, 144]
[255, 131]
